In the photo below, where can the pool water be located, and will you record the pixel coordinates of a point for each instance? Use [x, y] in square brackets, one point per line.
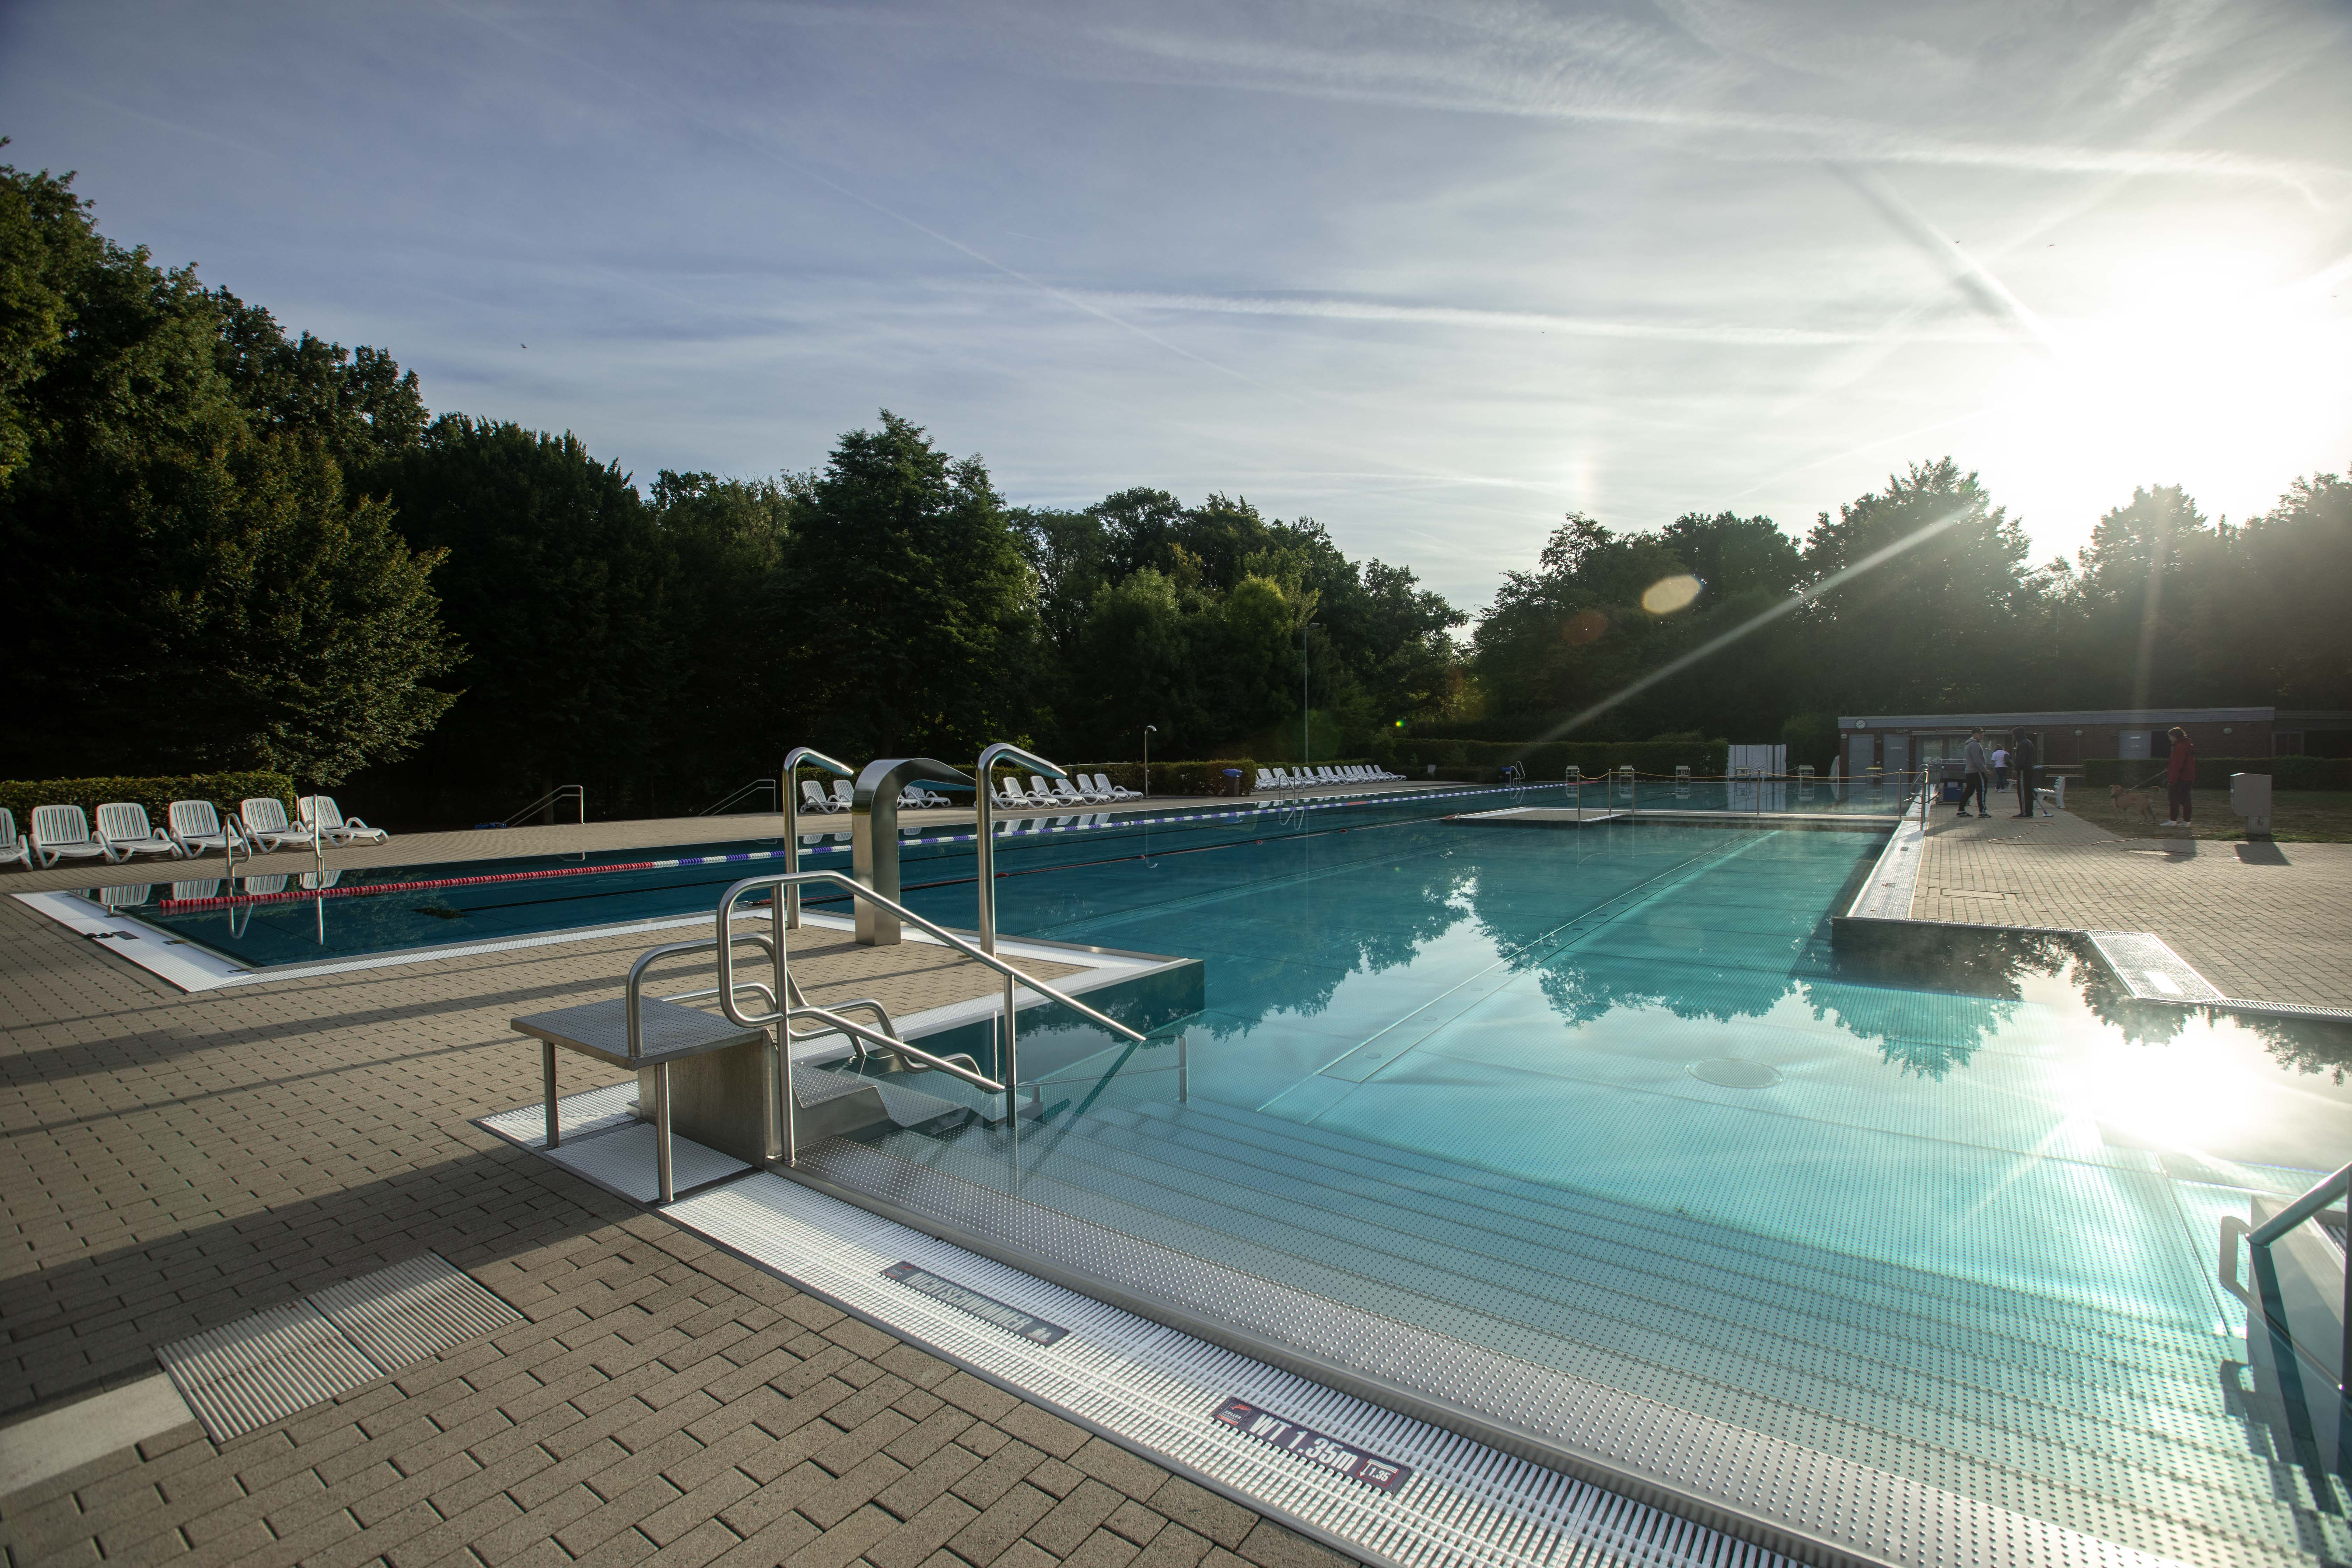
[1608, 1100]
[488, 901]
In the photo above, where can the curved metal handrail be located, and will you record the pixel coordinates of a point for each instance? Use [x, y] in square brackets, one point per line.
[859, 889]
[632, 991]
[779, 883]
[891, 1043]
[983, 818]
[787, 787]
[723, 802]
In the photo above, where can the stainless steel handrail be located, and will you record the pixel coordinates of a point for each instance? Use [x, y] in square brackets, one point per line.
[985, 818]
[857, 889]
[2277, 1227]
[721, 805]
[889, 1043]
[553, 798]
[788, 788]
[2302, 1209]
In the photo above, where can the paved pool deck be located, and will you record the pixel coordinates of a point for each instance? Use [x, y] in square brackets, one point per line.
[175, 1162]
[2264, 922]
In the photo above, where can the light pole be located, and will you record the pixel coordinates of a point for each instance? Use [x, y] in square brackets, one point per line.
[1148, 731]
[1306, 714]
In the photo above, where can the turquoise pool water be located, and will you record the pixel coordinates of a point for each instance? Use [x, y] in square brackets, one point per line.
[384, 909]
[1610, 1100]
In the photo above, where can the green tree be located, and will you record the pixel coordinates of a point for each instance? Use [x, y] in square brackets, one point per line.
[197, 588]
[916, 612]
[556, 579]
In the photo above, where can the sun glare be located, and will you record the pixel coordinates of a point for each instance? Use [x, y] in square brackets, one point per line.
[2203, 371]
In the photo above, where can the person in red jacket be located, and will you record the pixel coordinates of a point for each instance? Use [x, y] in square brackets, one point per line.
[2180, 775]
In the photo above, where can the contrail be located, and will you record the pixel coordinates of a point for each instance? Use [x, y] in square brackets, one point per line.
[1794, 601]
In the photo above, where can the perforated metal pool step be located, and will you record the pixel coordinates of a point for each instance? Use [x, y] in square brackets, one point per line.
[246, 1374]
[1960, 1385]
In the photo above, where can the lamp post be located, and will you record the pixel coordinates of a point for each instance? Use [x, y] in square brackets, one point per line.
[1306, 714]
[1148, 731]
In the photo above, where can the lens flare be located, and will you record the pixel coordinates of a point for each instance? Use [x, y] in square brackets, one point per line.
[1668, 594]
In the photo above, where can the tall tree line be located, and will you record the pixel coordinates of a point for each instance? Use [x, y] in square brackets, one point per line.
[231, 547]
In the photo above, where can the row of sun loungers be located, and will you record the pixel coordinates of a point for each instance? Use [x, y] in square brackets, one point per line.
[64, 832]
[1077, 790]
[1275, 781]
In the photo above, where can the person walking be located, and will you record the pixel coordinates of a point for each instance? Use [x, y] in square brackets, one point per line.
[2179, 778]
[2021, 763]
[2001, 768]
[1975, 775]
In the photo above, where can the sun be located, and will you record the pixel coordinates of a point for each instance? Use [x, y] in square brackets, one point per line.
[2204, 370]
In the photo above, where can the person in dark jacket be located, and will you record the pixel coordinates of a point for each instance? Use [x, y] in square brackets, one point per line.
[2021, 763]
[1976, 774]
[2179, 777]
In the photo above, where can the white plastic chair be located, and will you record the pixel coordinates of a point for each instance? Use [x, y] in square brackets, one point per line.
[813, 797]
[124, 827]
[196, 827]
[1040, 791]
[844, 794]
[1008, 793]
[266, 824]
[1066, 793]
[13, 846]
[126, 895]
[319, 811]
[60, 832]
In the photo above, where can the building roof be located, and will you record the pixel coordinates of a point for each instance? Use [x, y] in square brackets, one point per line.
[2055, 720]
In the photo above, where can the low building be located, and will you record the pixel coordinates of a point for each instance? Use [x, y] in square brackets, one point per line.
[1896, 742]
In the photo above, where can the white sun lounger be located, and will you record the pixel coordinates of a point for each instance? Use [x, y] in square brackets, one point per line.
[1041, 792]
[1066, 793]
[266, 824]
[813, 797]
[62, 831]
[844, 794]
[124, 827]
[13, 846]
[321, 811]
[197, 826]
[1109, 791]
[1008, 793]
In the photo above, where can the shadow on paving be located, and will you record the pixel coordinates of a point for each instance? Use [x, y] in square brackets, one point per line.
[76, 1327]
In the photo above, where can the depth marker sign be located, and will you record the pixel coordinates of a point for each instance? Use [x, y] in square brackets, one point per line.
[987, 1308]
[1309, 1444]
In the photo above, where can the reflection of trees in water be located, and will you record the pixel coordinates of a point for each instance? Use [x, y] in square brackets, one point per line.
[1417, 902]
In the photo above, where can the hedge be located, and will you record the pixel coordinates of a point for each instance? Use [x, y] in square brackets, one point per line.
[223, 790]
[2213, 772]
[1548, 762]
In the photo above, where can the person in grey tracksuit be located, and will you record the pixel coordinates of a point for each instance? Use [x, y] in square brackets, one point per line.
[1975, 775]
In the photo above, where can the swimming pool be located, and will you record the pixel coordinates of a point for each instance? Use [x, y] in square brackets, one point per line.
[1609, 1103]
[282, 919]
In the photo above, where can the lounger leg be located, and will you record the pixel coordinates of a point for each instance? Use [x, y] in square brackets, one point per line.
[547, 1081]
[661, 1134]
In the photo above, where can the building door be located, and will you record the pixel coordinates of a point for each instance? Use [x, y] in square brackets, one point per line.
[1898, 753]
[1861, 750]
[2132, 744]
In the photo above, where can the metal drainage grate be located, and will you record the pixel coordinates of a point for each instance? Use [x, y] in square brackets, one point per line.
[1460, 1504]
[622, 1162]
[590, 1110]
[412, 1310]
[260, 1369]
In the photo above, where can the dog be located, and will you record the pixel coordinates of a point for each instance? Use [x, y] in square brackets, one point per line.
[2125, 799]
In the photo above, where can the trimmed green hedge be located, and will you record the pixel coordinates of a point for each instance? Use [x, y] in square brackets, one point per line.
[2213, 772]
[1549, 762]
[223, 790]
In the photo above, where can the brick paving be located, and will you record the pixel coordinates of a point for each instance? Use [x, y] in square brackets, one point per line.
[2264, 922]
[176, 1162]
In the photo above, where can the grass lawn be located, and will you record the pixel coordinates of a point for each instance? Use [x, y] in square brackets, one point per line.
[2305, 816]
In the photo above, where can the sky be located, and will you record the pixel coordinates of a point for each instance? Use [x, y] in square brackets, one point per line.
[1433, 275]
